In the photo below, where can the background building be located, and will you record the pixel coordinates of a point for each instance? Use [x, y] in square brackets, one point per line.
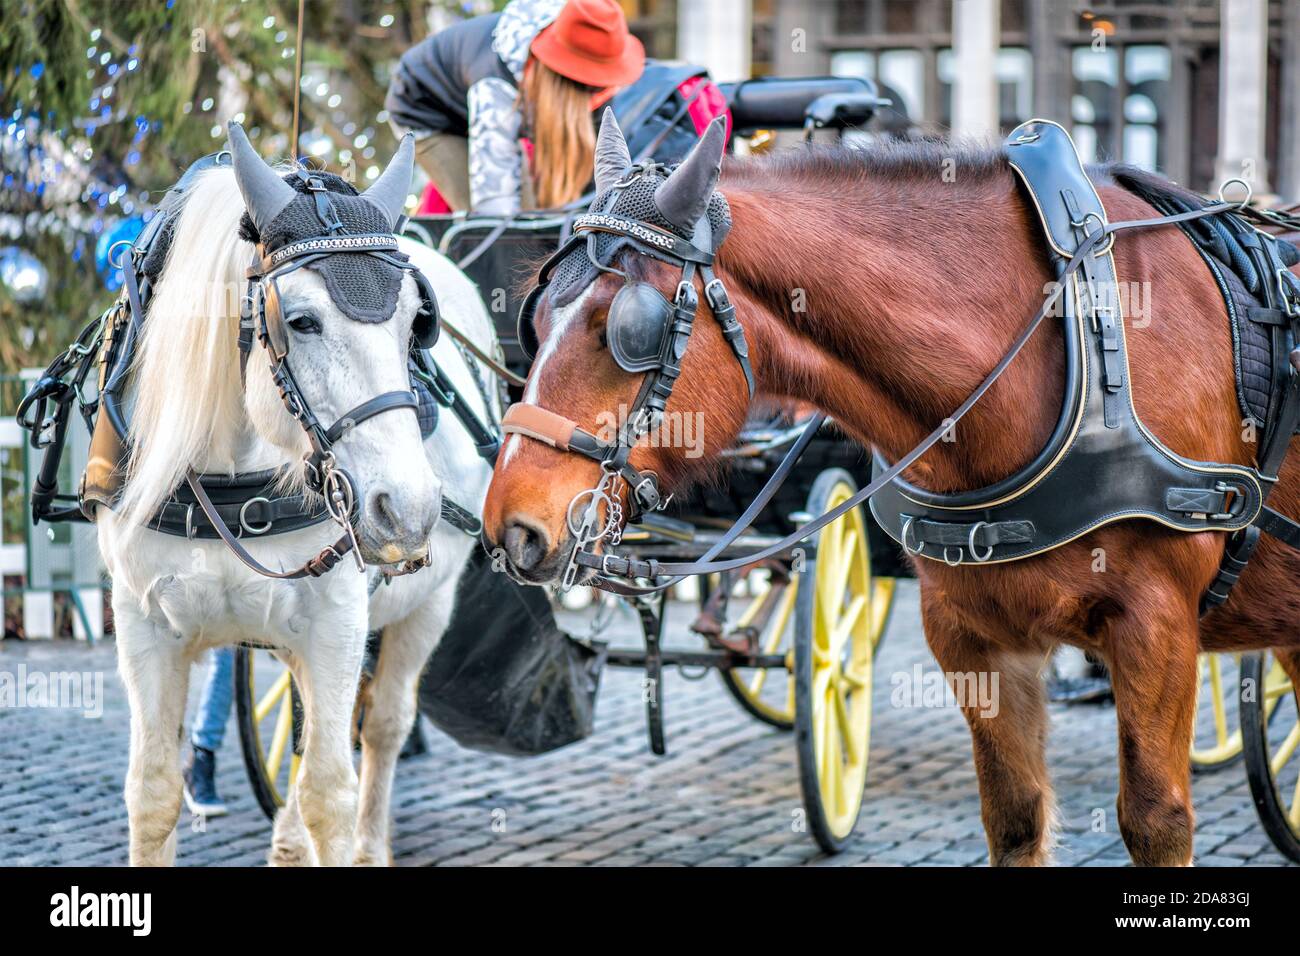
[1201, 90]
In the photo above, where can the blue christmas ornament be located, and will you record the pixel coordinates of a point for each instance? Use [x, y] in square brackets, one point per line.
[126, 229]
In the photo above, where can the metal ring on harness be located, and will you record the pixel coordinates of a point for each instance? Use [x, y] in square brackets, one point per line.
[948, 561]
[339, 495]
[596, 494]
[971, 547]
[116, 263]
[907, 526]
[1083, 224]
[1250, 192]
[243, 516]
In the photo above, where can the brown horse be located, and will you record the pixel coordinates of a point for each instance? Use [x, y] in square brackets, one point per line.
[883, 291]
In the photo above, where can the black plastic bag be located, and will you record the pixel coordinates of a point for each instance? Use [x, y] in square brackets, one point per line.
[505, 678]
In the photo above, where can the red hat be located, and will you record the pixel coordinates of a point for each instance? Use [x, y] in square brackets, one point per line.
[589, 43]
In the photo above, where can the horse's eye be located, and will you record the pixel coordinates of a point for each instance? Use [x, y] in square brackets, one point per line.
[305, 323]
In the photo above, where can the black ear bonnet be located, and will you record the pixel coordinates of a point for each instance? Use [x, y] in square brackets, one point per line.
[364, 287]
[635, 200]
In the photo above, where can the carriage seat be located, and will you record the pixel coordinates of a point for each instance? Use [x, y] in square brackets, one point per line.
[785, 102]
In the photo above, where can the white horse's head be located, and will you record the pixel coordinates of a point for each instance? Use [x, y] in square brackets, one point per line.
[347, 325]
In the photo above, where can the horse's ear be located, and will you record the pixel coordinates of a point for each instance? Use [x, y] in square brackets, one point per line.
[264, 192]
[683, 196]
[393, 186]
[612, 155]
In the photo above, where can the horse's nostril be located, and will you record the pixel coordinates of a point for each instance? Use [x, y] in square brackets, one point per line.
[383, 513]
[525, 544]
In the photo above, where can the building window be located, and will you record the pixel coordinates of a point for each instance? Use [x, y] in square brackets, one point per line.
[654, 23]
[1120, 114]
[1146, 80]
[1096, 76]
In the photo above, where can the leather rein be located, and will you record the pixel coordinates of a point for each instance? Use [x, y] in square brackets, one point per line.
[544, 425]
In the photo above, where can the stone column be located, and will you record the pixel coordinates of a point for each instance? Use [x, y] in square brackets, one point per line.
[975, 36]
[1288, 153]
[800, 28]
[1243, 91]
[716, 34]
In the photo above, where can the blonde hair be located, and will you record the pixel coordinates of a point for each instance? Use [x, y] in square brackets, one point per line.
[558, 111]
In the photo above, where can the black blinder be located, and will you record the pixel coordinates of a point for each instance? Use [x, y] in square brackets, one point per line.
[425, 329]
[637, 322]
[273, 330]
[524, 328]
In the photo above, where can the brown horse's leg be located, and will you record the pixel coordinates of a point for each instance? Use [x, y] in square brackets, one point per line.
[1008, 734]
[1153, 670]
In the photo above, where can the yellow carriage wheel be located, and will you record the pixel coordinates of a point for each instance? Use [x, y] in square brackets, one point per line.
[269, 713]
[840, 614]
[1216, 734]
[1270, 724]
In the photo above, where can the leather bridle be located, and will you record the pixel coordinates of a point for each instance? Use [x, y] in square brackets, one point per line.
[261, 317]
[662, 368]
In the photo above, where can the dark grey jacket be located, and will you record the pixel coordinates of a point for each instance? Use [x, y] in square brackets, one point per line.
[430, 87]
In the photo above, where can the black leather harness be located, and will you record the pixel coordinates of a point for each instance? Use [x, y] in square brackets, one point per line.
[1100, 464]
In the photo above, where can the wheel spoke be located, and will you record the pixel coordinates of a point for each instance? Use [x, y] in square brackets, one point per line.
[1286, 750]
[751, 612]
[280, 739]
[844, 628]
[819, 722]
[833, 781]
[276, 691]
[848, 550]
[846, 726]
[1216, 688]
[1272, 691]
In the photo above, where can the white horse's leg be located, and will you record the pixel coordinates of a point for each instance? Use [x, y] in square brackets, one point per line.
[390, 714]
[326, 789]
[290, 842]
[154, 664]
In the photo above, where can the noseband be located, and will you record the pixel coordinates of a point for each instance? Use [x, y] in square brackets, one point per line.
[646, 334]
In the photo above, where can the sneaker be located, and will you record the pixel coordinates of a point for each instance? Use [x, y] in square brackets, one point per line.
[201, 785]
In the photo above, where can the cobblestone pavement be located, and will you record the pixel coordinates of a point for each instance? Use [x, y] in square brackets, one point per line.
[726, 794]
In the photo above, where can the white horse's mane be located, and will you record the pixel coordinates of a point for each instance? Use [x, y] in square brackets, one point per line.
[188, 409]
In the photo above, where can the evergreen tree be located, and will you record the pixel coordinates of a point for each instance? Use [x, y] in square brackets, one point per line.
[103, 103]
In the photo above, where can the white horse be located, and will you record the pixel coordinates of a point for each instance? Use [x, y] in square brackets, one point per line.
[174, 598]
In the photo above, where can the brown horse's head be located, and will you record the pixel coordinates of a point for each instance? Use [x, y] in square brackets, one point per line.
[594, 357]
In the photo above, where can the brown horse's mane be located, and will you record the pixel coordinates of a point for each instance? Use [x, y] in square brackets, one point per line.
[893, 160]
